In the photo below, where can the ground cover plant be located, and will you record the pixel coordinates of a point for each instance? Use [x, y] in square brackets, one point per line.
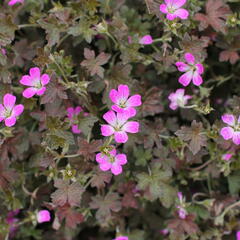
[119, 119]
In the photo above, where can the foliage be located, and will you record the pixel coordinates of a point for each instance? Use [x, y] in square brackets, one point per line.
[88, 48]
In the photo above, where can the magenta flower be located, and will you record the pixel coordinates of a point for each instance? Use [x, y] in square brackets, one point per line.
[13, 2]
[227, 156]
[3, 51]
[173, 9]
[146, 40]
[111, 161]
[233, 131]
[121, 238]
[238, 235]
[164, 231]
[192, 71]
[35, 81]
[182, 212]
[178, 99]
[122, 101]
[118, 126]
[43, 216]
[72, 116]
[8, 111]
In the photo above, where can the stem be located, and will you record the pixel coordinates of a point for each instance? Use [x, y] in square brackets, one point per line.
[202, 166]
[59, 67]
[71, 156]
[229, 208]
[28, 25]
[163, 136]
[190, 106]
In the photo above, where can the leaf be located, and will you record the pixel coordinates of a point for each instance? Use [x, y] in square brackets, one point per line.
[7, 29]
[7, 175]
[142, 156]
[152, 102]
[181, 226]
[93, 64]
[229, 55]
[234, 184]
[67, 193]
[54, 90]
[216, 15]
[158, 185]
[194, 135]
[106, 204]
[86, 123]
[100, 179]
[71, 216]
[87, 149]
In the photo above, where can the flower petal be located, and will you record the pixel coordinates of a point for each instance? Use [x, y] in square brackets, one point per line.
[123, 117]
[186, 78]
[71, 112]
[9, 100]
[41, 91]
[101, 158]
[9, 122]
[105, 166]
[27, 81]
[182, 67]
[173, 105]
[200, 68]
[163, 8]
[131, 127]
[45, 79]
[197, 79]
[110, 117]
[120, 137]
[77, 110]
[107, 130]
[228, 119]
[227, 133]
[17, 110]
[2, 111]
[146, 40]
[116, 169]
[236, 138]
[29, 92]
[113, 95]
[189, 58]
[75, 129]
[35, 72]
[123, 91]
[182, 13]
[171, 16]
[121, 159]
[134, 101]
[178, 3]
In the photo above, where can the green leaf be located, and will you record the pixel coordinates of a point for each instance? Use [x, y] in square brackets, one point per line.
[142, 156]
[86, 123]
[234, 184]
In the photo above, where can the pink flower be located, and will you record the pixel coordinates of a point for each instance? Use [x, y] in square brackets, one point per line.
[124, 103]
[227, 156]
[112, 161]
[9, 112]
[119, 126]
[3, 51]
[238, 235]
[43, 216]
[72, 116]
[180, 196]
[164, 231]
[35, 81]
[193, 71]
[173, 9]
[121, 238]
[233, 131]
[182, 212]
[178, 99]
[146, 40]
[13, 2]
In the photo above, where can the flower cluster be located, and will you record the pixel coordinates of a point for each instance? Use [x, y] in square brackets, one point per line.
[72, 115]
[233, 129]
[43, 216]
[9, 112]
[172, 9]
[13, 2]
[118, 126]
